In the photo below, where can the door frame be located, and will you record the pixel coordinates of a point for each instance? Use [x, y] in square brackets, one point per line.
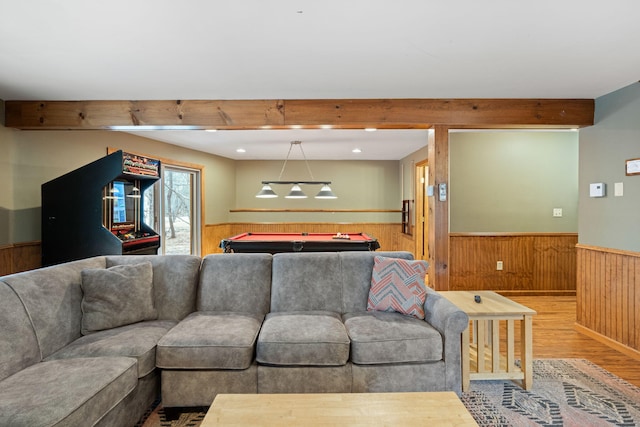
[421, 210]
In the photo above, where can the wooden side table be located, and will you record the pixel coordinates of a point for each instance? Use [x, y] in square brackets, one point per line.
[482, 358]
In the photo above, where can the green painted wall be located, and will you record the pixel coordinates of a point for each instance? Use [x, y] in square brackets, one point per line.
[30, 158]
[504, 181]
[7, 148]
[358, 185]
[611, 222]
[499, 181]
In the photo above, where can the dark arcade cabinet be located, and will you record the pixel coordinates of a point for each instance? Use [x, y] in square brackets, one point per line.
[98, 210]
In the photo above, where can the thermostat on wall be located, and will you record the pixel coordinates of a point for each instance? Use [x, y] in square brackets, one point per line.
[598, 189]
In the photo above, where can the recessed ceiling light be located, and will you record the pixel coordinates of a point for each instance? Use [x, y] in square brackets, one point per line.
[370, 129]
[134, 128]
[211, 130]
[356, 150]
[240, 150]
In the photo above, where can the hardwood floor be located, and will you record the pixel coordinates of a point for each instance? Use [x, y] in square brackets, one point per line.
[554, 336]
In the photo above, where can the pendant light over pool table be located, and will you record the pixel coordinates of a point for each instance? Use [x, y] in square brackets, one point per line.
[296, 191]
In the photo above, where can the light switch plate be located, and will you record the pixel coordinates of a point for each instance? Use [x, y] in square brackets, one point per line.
[442, 190]
[618, 189]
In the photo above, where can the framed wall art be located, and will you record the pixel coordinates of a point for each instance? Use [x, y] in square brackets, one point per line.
[632, 167]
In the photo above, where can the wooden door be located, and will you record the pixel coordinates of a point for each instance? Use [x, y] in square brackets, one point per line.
[421, 212]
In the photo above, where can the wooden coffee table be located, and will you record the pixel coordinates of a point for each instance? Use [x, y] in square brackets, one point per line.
[485, 345]
[338, 409]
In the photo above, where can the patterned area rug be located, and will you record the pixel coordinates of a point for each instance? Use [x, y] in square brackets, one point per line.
[157, 416]
[565, 392]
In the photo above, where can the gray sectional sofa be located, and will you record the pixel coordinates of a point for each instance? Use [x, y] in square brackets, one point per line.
[94, 342]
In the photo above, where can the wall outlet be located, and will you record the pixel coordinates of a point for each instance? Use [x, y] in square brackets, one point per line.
[557, 212]
[499, 265]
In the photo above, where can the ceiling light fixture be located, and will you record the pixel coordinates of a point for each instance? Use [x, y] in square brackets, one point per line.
[135, 193]
[296, 192]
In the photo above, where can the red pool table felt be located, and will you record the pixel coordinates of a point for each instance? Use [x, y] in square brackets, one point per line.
[279, 242]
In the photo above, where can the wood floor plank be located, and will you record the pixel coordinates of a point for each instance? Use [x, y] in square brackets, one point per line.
[554, 336]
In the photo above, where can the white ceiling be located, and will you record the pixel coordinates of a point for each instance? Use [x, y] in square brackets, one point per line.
[322, 144]
[304, 49]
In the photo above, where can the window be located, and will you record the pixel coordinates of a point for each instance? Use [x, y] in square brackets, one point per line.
[180, 204]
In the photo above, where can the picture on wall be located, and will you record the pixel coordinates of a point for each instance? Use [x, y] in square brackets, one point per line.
[633, 167]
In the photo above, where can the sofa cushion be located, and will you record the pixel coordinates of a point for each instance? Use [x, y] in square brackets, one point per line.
[117, 296]
[18, 343]
[306, 281]
[380, 337]
[235, 282]
[398, 285]
[69, 392]
[138, 340]
[175, 281]
[315, 338]
[210, 340]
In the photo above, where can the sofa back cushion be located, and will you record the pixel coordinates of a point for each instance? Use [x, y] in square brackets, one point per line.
[356, 277]
[117, 296]
[175, 281]
[236, 282]
[329, 281]
[52, 298]
[18, 344]
[304, 281]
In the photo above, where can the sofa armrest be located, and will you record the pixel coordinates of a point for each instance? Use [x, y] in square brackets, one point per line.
[450, 321]
[443, 315]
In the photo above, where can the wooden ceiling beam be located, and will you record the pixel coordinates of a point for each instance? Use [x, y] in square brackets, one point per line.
[260, 114]
[479, 112]
[86, 115]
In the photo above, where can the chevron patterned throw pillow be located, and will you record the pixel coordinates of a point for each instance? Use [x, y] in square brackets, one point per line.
[398, 285]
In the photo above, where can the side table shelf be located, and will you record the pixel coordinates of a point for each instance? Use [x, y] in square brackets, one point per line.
[482, 356]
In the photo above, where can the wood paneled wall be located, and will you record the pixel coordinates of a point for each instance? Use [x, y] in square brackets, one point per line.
[608, 294]
[389, 235]
[20, 257]
[26, 256]
[535, 263]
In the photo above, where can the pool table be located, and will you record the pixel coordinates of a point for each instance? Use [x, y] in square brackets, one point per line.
[299, 242]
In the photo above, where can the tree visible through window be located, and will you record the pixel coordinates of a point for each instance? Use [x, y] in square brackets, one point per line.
[180, 231]
[177, 188]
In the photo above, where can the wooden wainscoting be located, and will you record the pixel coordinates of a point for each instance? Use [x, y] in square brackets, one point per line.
[608, 296]
[27, 256]
[20, 257]
[533, 263]
[389, 235]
